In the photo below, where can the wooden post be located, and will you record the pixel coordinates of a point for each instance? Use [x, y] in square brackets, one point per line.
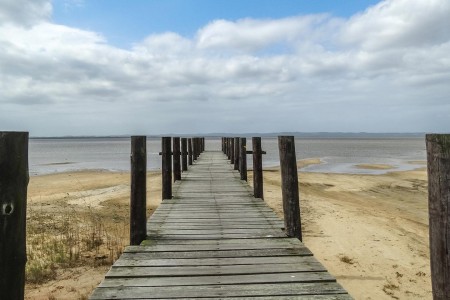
[13, 209]
[229, 148]
[226, 147]
[184, 154]
[237, 149]
[197, 149]
[195, 145]
[138, 199]
[190, 154]
[232, 150]
[243, 158]
[166, 168]
[258, 190]
[223, 145]
[438, 153]
[289, 186]
[203, 144]
[176, 159]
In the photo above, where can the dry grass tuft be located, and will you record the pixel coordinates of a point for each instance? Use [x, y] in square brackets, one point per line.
[69, 237]
[347, 260]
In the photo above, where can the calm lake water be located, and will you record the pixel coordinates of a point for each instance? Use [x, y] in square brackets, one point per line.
[337, 155]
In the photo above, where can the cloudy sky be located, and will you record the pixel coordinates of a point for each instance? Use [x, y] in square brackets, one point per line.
[101, 67]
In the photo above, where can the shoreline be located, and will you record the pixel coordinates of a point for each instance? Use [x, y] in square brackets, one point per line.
[370, 231]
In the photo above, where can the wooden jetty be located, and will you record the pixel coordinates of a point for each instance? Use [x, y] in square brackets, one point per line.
[213, 239]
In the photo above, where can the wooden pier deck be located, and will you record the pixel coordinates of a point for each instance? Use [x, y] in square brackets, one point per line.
[214, 240]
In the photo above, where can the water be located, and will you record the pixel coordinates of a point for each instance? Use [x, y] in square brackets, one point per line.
[337, 155]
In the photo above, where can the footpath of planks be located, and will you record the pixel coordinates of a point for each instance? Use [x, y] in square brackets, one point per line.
[213, 239]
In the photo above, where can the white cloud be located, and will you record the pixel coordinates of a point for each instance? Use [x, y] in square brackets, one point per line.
[24, 12]
[399, 24]
[311, 73]
[249, 35]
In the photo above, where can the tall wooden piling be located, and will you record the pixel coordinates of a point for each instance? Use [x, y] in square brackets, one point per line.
[237, 149]
[166, 167]
[176, 159]
[438, 154]
[138, 199]
[199, 146]
[258, 190]
[13, 201]
[190, 154]
[195, 149]
[289, 186]
[232, 150]
[243, 158]
[184, 154]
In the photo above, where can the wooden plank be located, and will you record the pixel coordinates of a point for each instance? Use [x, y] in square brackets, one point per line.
[138, 271]
[211, 236]
[183, 231]
[141, 260]
[220, 279]
[278, 289]
[283, 242]
[187, 226]
[310, 297]
[223, 253]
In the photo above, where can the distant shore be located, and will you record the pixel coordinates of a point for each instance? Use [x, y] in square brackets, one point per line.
[370, 231]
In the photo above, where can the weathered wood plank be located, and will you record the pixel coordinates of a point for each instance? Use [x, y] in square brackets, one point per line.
[260, 243]
[221, 279]
[223, 253]
[138, 271]
[141, 260]
[278, 289]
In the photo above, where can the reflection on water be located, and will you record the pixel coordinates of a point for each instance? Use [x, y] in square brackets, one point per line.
[337, 155]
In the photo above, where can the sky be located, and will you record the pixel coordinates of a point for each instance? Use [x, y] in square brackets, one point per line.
[101, 67]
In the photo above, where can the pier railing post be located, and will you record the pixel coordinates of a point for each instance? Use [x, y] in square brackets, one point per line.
[184, 154]
[438, 155]
[166, 168]
[243, 158]
[289, 186]
[13, 201]
[176, 159]
[223, 145]
[232, 150]
[236, 153]
[199, 141]
[195, 148]
[258, 190]
[138, 199]
[190, 154]
[226, 146]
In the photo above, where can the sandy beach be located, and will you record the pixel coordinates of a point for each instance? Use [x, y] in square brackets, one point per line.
[370, 231]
